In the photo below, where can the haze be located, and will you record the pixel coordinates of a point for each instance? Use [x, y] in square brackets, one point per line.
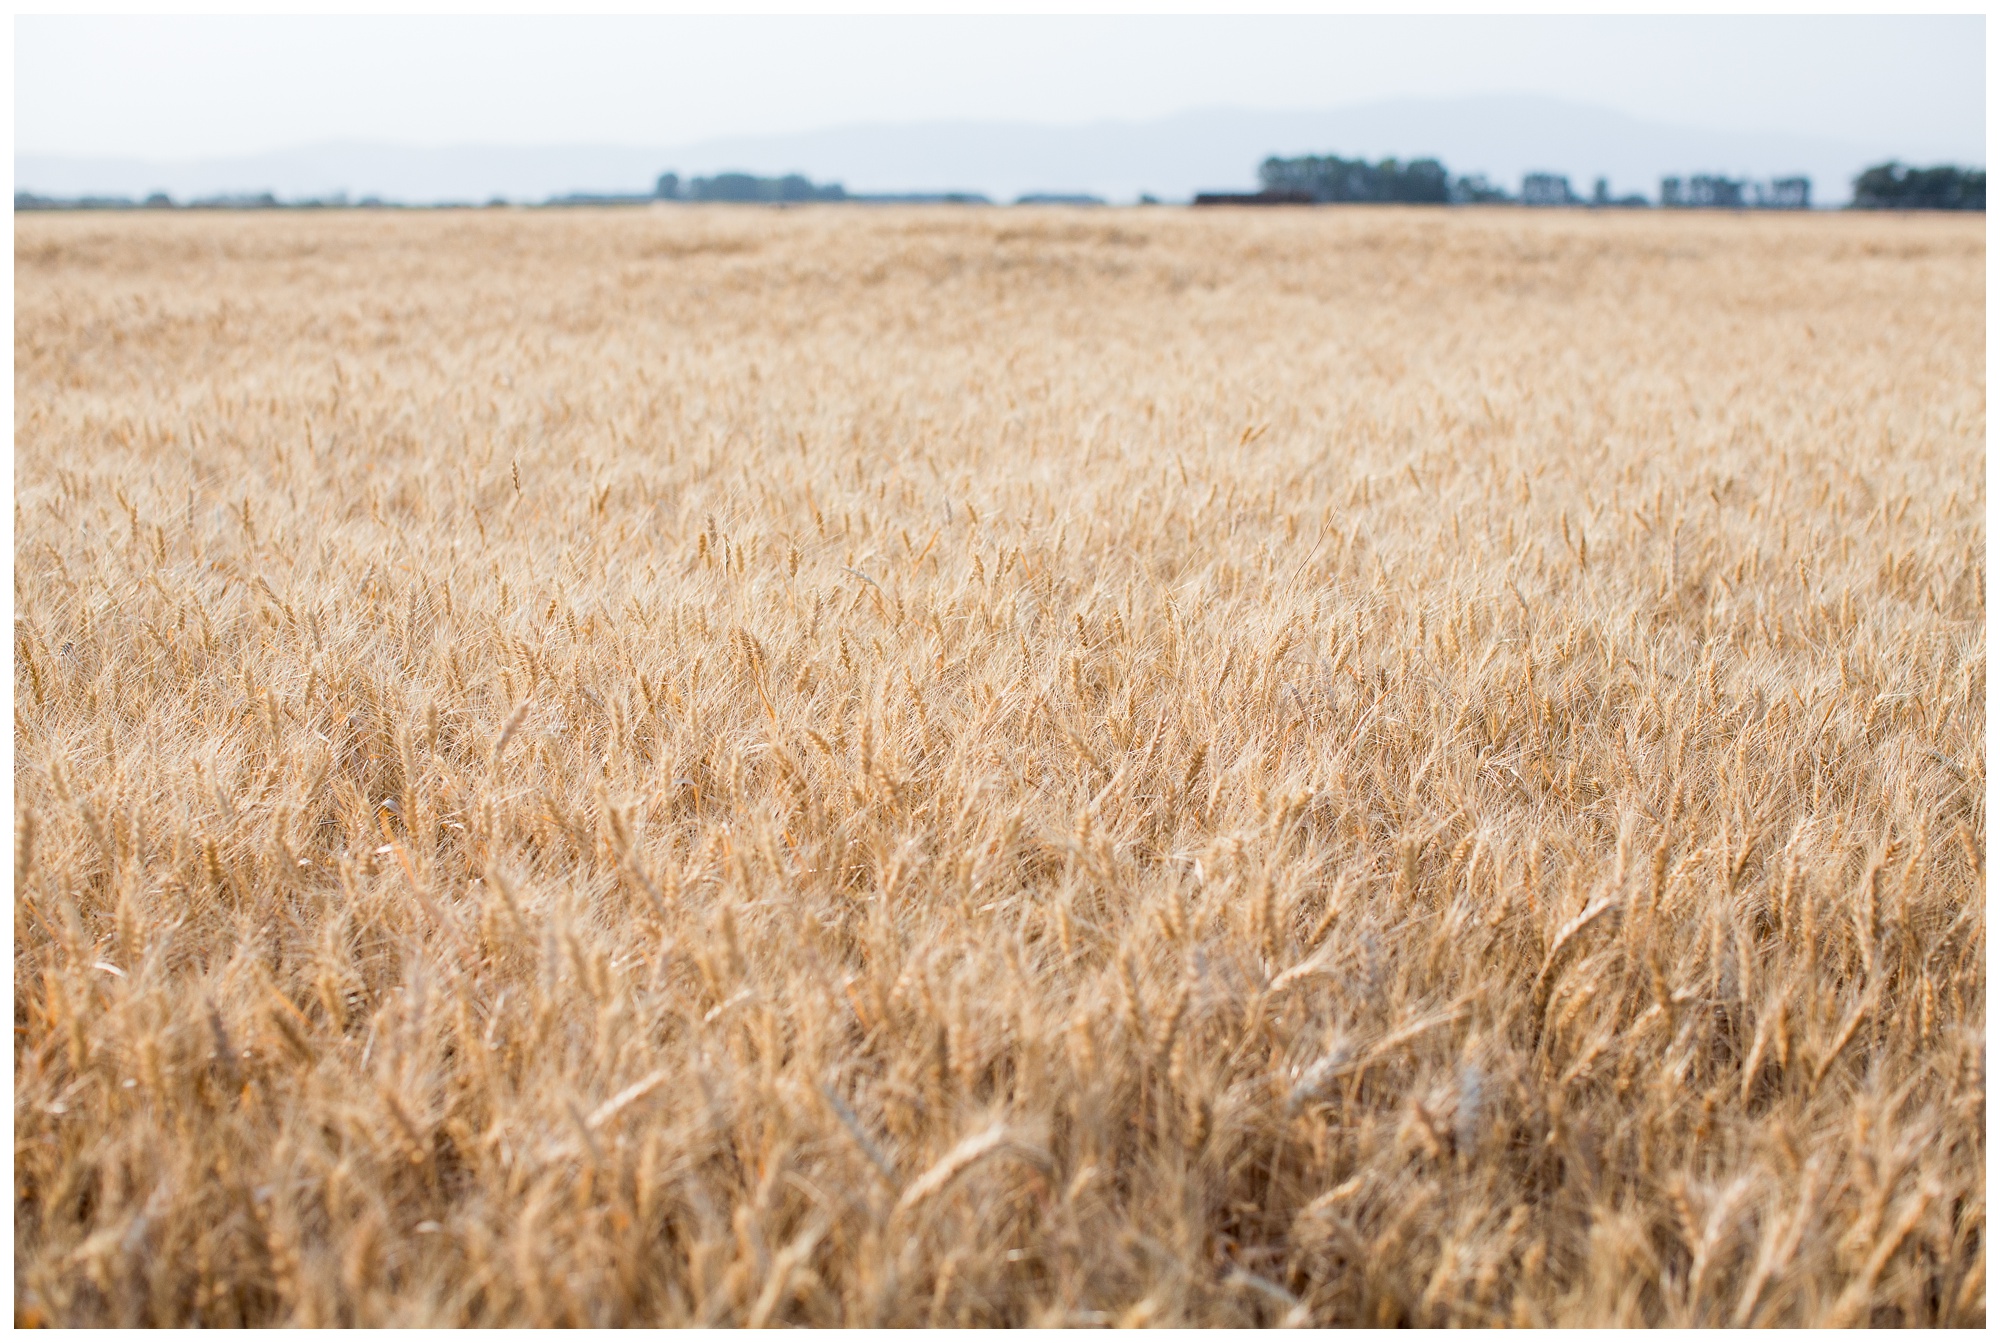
[181, 88]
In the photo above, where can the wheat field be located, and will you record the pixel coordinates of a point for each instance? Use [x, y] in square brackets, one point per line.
[1035, 767]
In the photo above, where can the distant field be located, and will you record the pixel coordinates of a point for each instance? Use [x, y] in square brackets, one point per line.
[901, 767]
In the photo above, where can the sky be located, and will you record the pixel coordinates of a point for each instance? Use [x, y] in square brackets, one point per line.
[168, 88]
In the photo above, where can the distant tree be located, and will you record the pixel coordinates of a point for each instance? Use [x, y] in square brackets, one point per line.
[793, 187]
[668, 188]
[1330, 179]
[1422, 182]
[747, 188]
[1892, 186]
[1546, 189]
[1476, 190]
[1719, 193]
[1703, 191]
[263, 200]
[920, 198]
[1785, 193]
[732, 187]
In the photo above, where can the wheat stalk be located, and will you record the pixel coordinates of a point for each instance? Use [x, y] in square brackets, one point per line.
[916, 768]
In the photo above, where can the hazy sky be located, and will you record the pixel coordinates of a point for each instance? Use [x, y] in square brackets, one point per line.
[161, 87]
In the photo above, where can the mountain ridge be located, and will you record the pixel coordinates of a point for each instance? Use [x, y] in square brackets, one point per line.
[1215, 148]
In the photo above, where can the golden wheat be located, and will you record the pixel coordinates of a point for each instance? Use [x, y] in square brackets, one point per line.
[1037, 767]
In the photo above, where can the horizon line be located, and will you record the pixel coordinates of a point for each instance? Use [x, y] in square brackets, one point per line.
[878, 125]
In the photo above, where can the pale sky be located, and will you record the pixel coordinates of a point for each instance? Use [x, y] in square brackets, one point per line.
[171, 88]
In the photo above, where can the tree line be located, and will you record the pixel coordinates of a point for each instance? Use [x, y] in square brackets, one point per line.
[747, 188]
[1330, 179]
[1303, 180]
[1891, 186]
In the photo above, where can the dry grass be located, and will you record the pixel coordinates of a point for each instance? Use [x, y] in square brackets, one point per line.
[999, 767]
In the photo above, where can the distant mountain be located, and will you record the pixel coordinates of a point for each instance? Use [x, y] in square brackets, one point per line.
[1171, 157]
